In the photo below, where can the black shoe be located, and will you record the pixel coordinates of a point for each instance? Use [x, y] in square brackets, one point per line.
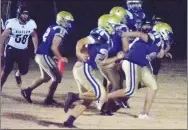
[69, 125]
[49, 101]
[18, 80]
[106, 109]
[115, 108]
[26, 93]
[106, 113]
[124, 102]
[71, 98]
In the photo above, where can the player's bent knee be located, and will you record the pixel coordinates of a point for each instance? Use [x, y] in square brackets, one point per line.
[154, 87]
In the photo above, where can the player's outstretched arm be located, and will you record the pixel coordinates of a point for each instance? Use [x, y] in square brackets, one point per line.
[35, 40]
[141, 35]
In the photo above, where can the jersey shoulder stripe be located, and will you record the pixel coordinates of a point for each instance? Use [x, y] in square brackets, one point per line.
[59, 31]
[130, 15]
[100, 34]
[123, 28]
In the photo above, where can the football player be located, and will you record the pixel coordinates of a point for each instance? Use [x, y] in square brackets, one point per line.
[52, 39]
[112, 71]
[18, 30]
[135, 63]
[156, 63]
[98, 44]
[136, 15]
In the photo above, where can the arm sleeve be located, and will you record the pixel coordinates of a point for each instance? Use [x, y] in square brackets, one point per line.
[8, 24]
[60, 32]
[33, 24]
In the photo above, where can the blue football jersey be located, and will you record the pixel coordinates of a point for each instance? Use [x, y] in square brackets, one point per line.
[140, 49]
[116, 40]
[53, 30]
[99, 51]
[135, 20]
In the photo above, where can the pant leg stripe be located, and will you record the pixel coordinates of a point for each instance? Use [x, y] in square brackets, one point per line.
[132, 80]
[56, 70]
[51, 66]
[93, 82]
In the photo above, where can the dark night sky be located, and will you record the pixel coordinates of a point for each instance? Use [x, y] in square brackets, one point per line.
[87, 12]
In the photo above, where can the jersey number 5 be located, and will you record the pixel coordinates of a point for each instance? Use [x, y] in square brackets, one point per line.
[19, 38]
[103, 53]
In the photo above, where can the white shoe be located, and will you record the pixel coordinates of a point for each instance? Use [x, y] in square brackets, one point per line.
[144, 116]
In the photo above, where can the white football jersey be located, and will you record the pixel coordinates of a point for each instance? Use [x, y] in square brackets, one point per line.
[19, 33]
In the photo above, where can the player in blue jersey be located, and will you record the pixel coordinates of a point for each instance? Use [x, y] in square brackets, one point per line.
[135, 63]
[52, 38]
[87, 71]
[136, 15]
[112, 71]
[156, 63]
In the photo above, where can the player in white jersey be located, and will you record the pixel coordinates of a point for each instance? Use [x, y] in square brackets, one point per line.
[18, 30]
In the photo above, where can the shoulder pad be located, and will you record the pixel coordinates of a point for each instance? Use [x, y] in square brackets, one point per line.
[32, 24]
[100, 34]
[122, 27]
[60, 31]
